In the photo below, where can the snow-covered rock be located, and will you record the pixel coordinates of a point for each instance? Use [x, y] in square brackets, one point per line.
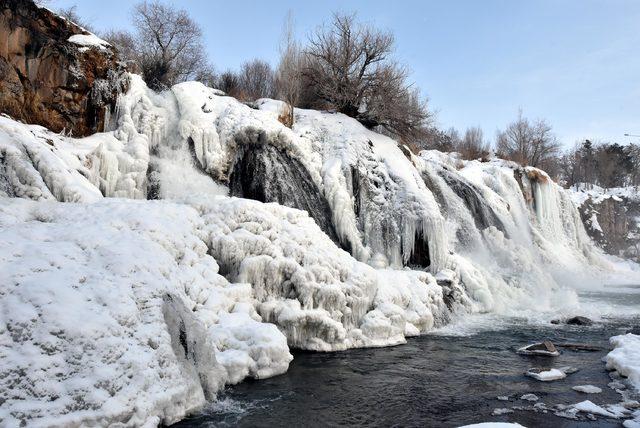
[530, 397]
[546, 375]
[589, 407]
[587, 389]
[625, 357]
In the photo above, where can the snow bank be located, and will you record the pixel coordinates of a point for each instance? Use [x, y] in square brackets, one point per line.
[582, 192]
[113, 312]
[625, 357]
[36, 164]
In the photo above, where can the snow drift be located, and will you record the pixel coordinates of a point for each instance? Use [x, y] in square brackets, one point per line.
[126, 311]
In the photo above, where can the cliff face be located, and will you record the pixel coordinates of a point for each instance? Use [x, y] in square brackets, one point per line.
[611, 218]
[55, 73]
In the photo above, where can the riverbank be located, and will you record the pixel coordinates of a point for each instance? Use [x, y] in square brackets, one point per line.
[449, 378]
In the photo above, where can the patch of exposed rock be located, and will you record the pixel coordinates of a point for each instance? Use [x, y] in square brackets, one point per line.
[49, 80]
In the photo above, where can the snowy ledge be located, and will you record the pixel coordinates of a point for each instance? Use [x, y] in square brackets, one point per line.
[89, 41]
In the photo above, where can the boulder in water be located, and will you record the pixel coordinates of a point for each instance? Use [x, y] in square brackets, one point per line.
[545, 348]
[579, 320]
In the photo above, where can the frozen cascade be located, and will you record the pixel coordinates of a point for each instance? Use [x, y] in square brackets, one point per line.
[206, 275]
[557, 219]
[492, 220]
[267, 174]
[382, 211]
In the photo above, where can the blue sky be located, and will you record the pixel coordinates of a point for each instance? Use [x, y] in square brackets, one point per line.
[575, 63]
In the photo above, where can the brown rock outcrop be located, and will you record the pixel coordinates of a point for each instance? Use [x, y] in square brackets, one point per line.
[46, 79]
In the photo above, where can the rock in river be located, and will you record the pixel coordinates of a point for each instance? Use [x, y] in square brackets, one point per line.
[545, 348]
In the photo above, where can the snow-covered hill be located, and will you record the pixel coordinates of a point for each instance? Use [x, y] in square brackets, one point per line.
[327, 236]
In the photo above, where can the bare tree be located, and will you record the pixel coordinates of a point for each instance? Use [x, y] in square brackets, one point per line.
[256, 79]
[168, 44]
[71, 14]
[124, 42]
[349, 68]
[528, 143]
[288, 78]
[473, 145]
[634, 157]
[207, 76]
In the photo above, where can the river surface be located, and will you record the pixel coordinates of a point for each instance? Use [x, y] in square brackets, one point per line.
[444, 379]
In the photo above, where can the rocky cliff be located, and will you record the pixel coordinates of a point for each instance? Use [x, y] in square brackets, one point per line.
[55, 73]
[611, 218]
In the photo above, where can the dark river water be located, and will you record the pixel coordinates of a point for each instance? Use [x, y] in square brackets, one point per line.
[434, 380]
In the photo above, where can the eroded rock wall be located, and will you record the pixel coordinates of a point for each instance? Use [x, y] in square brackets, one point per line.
[49, 80]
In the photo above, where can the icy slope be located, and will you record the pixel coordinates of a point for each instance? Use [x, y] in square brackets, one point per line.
[38, 164]
[114, 312]
[509, 231]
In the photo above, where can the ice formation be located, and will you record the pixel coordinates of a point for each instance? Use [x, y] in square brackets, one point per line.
[625, 357]
[124, 311]
[114, 312]
[587, 389]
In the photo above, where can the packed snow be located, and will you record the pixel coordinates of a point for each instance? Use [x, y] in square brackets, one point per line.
[88, 41]
[114, 312]
[625, 357]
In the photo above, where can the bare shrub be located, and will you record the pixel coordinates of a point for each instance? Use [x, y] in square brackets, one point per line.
[70, 14]
[229, 82]
[286, 115]
[288, 76]
[472, 145]
[168, 44]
